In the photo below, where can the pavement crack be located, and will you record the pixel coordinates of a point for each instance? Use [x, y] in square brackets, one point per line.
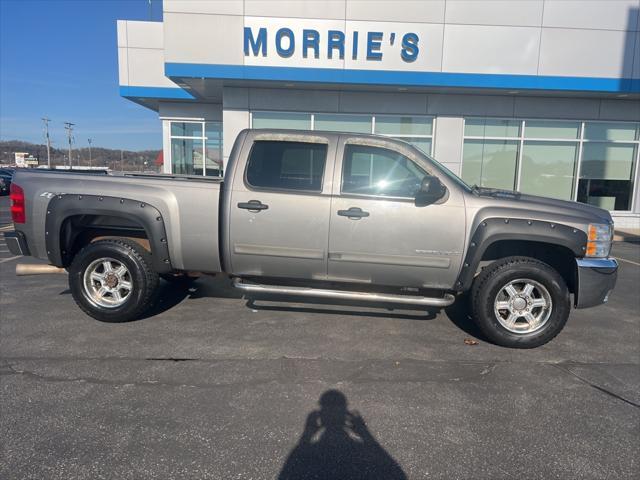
[597, 387]
[172, 359]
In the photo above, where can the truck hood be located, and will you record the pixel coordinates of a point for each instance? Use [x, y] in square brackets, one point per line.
[540, 207]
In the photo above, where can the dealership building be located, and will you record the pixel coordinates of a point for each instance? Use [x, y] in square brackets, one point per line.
[540, 96]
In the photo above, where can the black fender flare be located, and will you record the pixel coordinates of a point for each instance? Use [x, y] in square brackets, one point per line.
[491, 230]
[62, 207]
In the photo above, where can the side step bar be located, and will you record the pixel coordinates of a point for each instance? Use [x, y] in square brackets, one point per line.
[445, 301]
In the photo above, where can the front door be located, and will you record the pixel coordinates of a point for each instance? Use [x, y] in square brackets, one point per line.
[377, 233]
[279, 214]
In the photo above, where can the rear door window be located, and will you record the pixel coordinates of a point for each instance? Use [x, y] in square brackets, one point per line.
[276, 165]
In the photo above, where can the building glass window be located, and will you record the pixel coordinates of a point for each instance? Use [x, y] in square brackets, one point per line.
[547, 168]
[490, 127]
[609, 156]
[292, 121]
[415, 129]
[196, 148]
[343, 123]
[591, 162]
[490, 163]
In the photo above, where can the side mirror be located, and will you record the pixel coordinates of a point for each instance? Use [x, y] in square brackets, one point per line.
[431, 190]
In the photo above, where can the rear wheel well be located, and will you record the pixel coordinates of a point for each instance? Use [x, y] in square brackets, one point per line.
[556, 256]
[78, 231]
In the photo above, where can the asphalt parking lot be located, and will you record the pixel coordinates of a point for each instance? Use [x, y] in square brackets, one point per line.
[216, 386]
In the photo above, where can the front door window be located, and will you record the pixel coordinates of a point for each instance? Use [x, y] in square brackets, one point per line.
[379, 172]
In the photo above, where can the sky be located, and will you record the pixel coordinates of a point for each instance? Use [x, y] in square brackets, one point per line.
[59, 59]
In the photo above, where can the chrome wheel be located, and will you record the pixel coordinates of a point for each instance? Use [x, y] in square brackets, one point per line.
[107, 283]
[523, 306]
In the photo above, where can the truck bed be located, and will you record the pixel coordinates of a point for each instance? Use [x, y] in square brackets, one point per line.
[189, 207]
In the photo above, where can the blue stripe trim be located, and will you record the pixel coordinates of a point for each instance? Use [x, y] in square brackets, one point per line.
[155, 92]
[416, 79]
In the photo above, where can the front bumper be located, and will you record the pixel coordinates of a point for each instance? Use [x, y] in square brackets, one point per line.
[16, 243]
[596, 279]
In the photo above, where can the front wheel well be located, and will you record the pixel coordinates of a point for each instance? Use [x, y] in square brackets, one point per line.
[561, 258]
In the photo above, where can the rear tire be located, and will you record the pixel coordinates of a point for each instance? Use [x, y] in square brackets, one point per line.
[113, 280]
[520, 302]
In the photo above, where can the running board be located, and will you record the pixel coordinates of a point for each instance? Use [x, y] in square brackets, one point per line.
[445, 301]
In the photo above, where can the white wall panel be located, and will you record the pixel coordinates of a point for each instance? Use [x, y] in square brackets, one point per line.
[448, 138]
[219, 7]
[481, 49]
[595, 14]
[145, 34]
[123, 66]
[591, 53]
[121, 28]
[296, 8]
[146, 68]
[526, 13]
[430, 45]
[193, 38]
[234, 121]
[397, 11]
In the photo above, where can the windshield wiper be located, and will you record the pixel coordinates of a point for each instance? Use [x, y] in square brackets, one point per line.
[494, 192]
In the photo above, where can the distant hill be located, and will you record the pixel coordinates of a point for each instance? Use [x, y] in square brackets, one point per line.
[100, 157]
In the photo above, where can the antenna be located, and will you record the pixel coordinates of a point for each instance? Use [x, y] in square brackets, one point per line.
[68, 126]
[46, 136]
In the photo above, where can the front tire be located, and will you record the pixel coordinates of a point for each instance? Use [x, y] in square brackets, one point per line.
[113, 280]
[520, 302]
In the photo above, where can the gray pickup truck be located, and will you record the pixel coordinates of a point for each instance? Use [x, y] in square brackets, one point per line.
[331, 215]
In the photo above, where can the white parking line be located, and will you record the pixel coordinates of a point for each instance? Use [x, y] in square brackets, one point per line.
[5, 260]
[628, 261]
[6, 228]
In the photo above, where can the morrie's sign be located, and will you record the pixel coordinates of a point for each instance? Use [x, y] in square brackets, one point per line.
[350, 44]
[312, 42]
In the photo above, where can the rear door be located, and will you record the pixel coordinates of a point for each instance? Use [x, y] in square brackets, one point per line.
[279, 209]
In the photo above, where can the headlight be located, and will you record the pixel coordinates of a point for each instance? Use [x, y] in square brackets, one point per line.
[599, 240]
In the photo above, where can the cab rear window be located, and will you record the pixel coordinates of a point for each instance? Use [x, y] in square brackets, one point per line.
[276, 165]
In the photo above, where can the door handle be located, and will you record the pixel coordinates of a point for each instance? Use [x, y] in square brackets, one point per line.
[354, 213]
[253, 205]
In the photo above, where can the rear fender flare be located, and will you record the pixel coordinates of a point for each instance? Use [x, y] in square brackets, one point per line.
[62, 207]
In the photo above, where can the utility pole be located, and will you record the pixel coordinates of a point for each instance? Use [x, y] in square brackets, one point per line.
[68, 126]
[89, 140]
[46, 135]
[121, 155]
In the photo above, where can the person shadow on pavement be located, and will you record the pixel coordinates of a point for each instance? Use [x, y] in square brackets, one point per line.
[336, 444]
